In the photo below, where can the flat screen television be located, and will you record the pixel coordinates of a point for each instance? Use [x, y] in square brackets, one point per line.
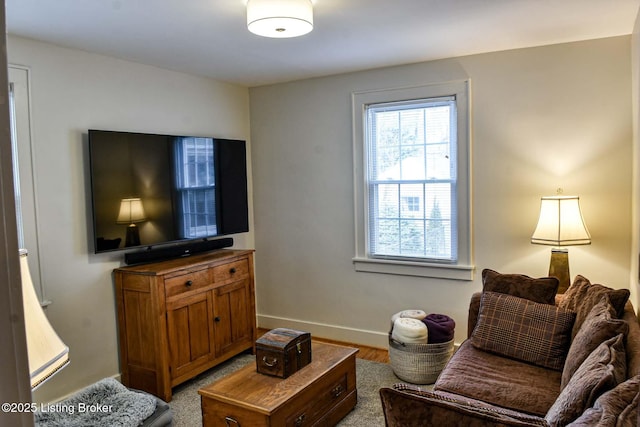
[149, 190]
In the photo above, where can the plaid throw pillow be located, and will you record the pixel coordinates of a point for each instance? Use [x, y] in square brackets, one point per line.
[525, 330]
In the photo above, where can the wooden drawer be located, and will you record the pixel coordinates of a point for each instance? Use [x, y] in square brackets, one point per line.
[233, 270]
[318, 404]
[186, 282]
[219, 414]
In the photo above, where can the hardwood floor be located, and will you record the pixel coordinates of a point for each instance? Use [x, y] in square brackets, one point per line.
[374, 354]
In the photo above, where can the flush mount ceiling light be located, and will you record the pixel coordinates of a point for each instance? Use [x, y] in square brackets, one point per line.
[280, 18]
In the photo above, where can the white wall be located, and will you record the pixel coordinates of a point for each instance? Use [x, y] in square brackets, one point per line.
[73, 91]
[542, 118]
[635, 230]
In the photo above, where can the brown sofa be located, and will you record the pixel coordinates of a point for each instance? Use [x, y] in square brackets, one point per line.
[585, 372]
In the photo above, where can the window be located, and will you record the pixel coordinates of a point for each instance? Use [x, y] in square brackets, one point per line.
[195, 184]
[24, 176]
[412, 181]
[411, 204]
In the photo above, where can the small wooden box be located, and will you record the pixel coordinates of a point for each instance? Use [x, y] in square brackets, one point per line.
[281, 352]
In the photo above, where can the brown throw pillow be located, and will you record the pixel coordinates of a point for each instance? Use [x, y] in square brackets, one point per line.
[542, 290]
[605, 368]
[617, 407]
[599, 325]
[523, 329]
[582, 296]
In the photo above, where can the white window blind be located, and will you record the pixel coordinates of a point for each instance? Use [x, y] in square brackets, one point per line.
[16, 164]
[411, 179]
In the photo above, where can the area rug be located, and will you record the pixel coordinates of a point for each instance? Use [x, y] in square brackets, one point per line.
[370, 377]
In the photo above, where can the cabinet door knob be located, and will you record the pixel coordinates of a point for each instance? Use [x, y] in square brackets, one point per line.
[232, 270]
[188, 283]
[217, 318]
[337, 390]
[231, 422]
[300, 420]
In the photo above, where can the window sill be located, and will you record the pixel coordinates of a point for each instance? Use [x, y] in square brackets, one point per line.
[408, 268]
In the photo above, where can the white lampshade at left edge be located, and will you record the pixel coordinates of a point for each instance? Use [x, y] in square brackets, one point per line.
[47, 353]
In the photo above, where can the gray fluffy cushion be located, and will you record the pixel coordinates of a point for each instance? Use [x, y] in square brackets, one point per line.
[604, 369]
[105, 403]
[600, 325]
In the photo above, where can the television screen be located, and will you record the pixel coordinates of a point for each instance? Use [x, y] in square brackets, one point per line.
[150, 189]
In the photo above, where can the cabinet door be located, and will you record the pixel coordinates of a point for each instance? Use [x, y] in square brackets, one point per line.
[190, 330]
[233, 317]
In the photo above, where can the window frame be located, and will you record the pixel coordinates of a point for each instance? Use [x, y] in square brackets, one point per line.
[463, 268]
[22, 129]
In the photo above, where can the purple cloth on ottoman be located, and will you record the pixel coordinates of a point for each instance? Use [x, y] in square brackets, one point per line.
[441, 328]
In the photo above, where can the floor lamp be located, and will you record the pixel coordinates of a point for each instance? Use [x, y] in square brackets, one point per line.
[560, 224]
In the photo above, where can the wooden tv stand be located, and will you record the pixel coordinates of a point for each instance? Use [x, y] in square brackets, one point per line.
[180, 317]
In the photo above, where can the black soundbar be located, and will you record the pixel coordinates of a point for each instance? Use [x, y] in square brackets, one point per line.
[177, 251]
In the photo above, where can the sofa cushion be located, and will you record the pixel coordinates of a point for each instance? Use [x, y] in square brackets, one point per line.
[500, 381]
[604, 368]
[615, 408]
[523, 329]
[582, 295]
[542, 290]
[599, 326]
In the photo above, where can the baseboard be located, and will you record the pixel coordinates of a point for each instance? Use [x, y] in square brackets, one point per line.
[323, 330]
[332, 332]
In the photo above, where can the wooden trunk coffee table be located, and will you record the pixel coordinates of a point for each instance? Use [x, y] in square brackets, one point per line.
[321, 393]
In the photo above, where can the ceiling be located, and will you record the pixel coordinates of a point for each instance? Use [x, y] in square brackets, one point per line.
[210, 38]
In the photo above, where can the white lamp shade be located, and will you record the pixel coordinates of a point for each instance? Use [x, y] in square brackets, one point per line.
[47, 353]
[280, 18]
[130, 211]
[561, 223]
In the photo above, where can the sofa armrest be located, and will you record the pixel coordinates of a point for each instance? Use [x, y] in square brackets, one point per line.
[474, 311]
[406, 406]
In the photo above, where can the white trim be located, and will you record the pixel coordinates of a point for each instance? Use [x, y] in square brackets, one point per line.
[323, 330]
[333, 332]
[463, 269]
[28, 166]
[412, 268]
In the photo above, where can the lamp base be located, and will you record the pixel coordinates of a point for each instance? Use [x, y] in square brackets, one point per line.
[133, 236]
[559, 268]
